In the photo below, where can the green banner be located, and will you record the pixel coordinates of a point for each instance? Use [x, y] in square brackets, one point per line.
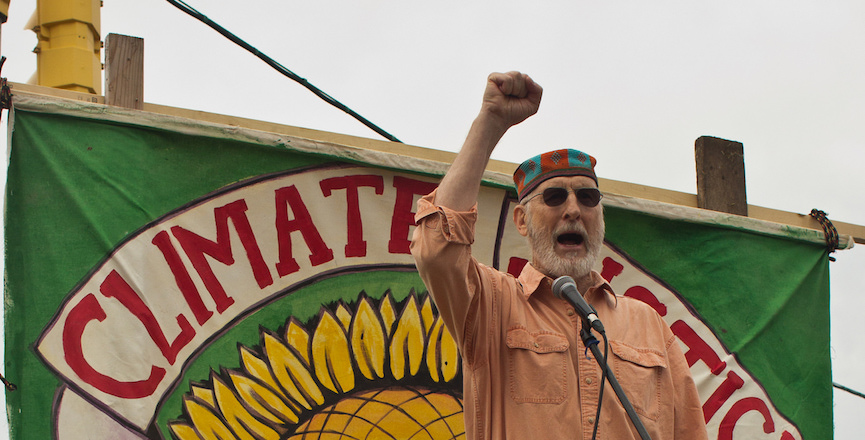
[169, 278]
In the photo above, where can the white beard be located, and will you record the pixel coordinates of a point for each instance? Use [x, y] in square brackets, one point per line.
[551, 264]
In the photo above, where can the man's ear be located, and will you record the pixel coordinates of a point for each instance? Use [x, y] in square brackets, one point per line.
[520, 219]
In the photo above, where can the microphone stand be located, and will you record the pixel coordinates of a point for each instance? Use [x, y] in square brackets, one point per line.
[590, 341]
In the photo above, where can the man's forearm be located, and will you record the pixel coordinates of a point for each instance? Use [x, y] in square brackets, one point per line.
[459, 188]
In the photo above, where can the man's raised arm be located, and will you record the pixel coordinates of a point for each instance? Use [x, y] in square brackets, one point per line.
[441, 243]
[509, 99]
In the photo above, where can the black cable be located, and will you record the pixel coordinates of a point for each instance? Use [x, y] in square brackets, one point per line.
[601, 391]
[279, 67]
[849, 390]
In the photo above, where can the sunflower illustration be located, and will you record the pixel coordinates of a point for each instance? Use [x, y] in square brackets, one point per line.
[372, 369]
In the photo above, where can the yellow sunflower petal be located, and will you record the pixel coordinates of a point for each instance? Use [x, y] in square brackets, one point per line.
[183, 431]
[258, 369]
[244, 424]
[204, 394]
[450, 355]
[344, 315]
[407, 343]
[426, 314]
[442, 353]
[298, 338]
[368, 340]
[331, 355]
[291, 373]
[432, 354]
[262, 399]
[208, 424]
[388, 312]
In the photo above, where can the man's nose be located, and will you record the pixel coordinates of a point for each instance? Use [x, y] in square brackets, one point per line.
[572, 207]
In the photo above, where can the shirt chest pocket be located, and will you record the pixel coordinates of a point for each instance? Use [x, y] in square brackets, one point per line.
[640, 371]
[537, 366]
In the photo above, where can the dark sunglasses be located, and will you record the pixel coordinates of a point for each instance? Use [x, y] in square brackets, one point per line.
[553, 196]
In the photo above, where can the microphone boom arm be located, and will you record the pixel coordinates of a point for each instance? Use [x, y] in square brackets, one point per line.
[590, 341]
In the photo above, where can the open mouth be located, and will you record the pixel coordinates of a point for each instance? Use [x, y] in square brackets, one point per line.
[570, 239]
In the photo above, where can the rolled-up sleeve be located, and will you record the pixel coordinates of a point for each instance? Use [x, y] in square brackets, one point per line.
[441, 246]
[455, 227]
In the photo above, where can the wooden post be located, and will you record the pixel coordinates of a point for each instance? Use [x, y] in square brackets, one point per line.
[721, 175]
[124, 71]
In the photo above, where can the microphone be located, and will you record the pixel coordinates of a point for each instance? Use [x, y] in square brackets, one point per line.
[564, 287]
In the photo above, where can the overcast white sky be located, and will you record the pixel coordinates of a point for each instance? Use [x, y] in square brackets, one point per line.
[634, 83]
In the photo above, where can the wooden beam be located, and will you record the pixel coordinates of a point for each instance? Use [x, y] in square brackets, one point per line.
[124, 71]
[607, 185]
[57, 93]
[721, 175]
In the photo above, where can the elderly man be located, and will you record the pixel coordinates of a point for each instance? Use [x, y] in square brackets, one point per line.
[526, 374]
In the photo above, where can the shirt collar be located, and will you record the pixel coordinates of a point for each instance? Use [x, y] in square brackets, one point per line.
[533, 280]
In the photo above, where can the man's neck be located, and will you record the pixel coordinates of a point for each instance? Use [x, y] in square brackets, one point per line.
[585, 283]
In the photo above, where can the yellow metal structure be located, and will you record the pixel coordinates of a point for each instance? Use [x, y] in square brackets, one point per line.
[4, 10]
[69, 46]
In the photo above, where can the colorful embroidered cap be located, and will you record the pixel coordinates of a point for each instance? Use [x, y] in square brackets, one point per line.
[556, 163]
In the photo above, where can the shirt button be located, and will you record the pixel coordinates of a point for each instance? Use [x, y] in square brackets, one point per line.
[570, 312]
[589, 380]
[591, 420]
[536, 345]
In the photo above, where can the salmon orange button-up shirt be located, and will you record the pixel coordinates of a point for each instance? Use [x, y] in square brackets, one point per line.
[526, 373]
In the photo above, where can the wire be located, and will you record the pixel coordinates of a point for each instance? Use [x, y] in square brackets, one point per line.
[603, 381]
[851, 391]
[279, 67]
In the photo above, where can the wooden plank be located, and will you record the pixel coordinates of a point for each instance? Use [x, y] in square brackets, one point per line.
[607, 185]
[721, 175]
[58, 93]
[305, 133]
[124, 71]
[806, 221]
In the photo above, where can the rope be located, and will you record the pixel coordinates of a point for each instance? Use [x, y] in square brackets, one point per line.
[5, 91]
[828, 229]
[9, 385]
